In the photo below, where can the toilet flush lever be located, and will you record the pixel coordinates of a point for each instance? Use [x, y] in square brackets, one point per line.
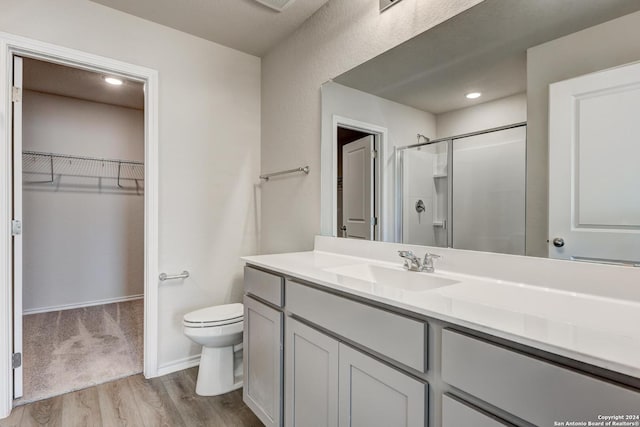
[164, 276]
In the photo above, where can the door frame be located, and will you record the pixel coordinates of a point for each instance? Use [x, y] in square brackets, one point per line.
[329, 173]
[11, 45]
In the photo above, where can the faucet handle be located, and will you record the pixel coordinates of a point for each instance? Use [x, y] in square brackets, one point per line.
[427, 264]
[406, 254]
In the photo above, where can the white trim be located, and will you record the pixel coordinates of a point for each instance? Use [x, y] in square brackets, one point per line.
[9, 46]
[81, 304]
[329, 175]
[179, 365]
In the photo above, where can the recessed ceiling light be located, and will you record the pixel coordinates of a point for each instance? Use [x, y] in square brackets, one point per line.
[473, 95]
[113, 81]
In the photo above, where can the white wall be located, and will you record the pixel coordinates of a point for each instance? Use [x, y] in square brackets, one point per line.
[499, 112]
[419, 166]
[83, 237]
[489, 192]
[603, 46]
[209, 122]
[341, 35]
[403, 123]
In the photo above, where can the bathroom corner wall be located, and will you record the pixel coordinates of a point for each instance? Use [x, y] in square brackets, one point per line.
[604, 46]
[341, 35]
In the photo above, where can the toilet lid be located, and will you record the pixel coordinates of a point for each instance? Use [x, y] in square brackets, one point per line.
[216, 314]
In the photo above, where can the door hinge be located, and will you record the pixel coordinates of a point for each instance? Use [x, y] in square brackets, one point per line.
[374, 154]
[374, 221]
[16, 227]
[16, 360]
[16, 94]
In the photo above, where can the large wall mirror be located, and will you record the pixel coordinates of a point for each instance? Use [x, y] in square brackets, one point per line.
[511, 128]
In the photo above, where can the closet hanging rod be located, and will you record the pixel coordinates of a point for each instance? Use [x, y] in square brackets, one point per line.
[304, 169]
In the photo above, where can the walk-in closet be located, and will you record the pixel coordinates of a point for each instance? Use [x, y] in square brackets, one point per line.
[83, 228]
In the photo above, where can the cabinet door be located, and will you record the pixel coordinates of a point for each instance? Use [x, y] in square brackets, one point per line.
[311, 372]
[373, 394]
[262, 354]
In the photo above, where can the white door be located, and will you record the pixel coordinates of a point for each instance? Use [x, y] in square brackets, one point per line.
[357, 188]
[594, 172]
[17, 222]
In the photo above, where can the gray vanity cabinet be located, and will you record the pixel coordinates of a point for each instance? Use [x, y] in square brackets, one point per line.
[311, 372]
[349, 363]
[329, 383]
[373, 394]
[262, 339]
[532, 389]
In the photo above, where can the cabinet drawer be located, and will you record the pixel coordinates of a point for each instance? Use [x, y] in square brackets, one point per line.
[397, 337]
[457, 414]
[266, 286]
[529, 388]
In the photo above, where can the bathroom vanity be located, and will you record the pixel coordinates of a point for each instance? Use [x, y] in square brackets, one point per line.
[343, 335]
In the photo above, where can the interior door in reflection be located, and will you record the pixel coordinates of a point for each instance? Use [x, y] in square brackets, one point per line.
[358, 188]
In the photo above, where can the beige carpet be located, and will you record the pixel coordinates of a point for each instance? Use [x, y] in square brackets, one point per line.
[68, 350]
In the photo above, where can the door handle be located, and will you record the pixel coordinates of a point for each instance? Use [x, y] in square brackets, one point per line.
[558, 242]
[344, 230]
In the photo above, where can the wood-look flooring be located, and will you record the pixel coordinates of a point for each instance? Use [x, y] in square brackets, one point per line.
[136, 402]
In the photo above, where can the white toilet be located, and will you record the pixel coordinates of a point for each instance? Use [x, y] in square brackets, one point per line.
[218, 330]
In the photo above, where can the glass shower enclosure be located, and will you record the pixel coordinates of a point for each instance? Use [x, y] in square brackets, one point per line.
[464, 192]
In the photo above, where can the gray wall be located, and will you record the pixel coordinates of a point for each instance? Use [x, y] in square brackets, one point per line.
[83, 237]
[341, 35]
[603, 46]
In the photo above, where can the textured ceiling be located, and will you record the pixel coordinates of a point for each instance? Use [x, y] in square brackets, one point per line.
[57, 79]
[245, 25]
[483, 49]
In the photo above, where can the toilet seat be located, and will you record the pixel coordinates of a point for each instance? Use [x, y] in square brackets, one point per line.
[210, 317]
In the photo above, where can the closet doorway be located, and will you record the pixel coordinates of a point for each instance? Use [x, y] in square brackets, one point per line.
[78, 156]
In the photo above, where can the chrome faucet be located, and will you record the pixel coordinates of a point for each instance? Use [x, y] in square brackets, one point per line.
[427, 264]
[413, 263]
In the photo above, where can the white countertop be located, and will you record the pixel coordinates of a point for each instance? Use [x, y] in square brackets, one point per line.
[597, 330]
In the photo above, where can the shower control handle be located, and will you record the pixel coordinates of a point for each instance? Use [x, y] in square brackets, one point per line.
[420, 207]
[558, 242]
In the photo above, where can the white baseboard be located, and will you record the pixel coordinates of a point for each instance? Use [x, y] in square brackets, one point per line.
[179, 365]
[81, 304]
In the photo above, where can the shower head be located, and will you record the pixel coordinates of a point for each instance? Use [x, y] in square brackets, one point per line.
[426, 139]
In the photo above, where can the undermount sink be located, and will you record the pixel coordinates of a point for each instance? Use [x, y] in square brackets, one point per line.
[392, 277]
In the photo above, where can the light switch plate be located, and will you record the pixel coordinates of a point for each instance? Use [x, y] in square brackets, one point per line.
[385, 4]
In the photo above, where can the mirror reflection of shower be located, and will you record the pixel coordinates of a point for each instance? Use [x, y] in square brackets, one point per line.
[470, 190]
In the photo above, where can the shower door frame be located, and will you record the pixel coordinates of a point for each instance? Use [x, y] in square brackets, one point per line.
[10, 46]
[399, 177]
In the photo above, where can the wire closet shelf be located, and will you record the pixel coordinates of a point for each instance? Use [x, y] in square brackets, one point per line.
[51, 164]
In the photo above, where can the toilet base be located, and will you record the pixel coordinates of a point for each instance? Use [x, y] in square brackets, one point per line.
[216, 372]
